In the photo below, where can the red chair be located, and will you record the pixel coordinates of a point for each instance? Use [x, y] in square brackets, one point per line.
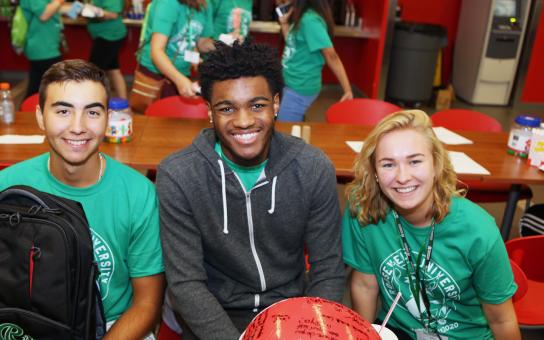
[178, 107]
[468, 120]
[526, 252]
[30, 103]
[360, 111]
[465, 120]
[521, 281]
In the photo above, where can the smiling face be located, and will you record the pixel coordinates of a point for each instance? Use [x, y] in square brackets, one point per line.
[74, 118]
[405, 171]
[243, 112]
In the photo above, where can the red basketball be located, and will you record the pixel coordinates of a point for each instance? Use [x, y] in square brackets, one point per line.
[304, 318]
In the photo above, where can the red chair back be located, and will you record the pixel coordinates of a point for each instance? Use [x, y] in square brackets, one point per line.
[521, 281]
[30, 103]
[179, 107]
[360, 111]
[465, 120]
[526, 252]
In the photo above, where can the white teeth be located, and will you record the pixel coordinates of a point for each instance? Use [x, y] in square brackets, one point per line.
[245, 136]
[406, 190]
[76, 142]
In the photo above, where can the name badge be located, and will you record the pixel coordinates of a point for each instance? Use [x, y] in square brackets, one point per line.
[422, 335]
[192, 57]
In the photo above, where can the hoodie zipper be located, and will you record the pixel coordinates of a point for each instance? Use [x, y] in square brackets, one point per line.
[252, 238]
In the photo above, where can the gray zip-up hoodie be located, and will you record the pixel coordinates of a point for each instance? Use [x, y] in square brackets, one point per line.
[225, 248]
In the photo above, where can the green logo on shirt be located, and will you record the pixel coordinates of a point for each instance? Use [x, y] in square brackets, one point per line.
[10, 331]
[185, 39]
[106, 263]
[289, 50]
[442, 289]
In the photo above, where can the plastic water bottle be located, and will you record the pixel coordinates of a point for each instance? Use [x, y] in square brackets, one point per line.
[7, 109]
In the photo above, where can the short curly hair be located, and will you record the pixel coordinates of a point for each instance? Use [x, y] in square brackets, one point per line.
[241, 60]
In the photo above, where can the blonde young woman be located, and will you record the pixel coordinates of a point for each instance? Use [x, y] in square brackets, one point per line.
[407, 229]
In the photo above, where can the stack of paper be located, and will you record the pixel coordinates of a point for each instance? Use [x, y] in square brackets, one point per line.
[449, 137]
[21, 139]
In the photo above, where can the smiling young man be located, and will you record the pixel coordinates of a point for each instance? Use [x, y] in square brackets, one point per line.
[240, 204]
[120, 204]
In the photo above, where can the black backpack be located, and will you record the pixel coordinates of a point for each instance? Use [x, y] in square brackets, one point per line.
[48, 286]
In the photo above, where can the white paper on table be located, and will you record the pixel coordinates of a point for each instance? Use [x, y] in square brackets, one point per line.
[449, 137]
[463, 164]
[22, 139]
[356, 146]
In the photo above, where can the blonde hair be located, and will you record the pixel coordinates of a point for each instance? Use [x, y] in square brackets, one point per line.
[366, 200]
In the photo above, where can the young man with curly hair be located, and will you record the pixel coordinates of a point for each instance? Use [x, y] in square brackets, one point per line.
[241, 203]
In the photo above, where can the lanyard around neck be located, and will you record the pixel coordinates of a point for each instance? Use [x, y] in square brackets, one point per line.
[415, 269]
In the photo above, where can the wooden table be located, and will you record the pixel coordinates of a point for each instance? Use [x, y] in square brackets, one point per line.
[156, 137]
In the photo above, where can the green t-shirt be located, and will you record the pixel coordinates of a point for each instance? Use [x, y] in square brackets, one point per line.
[122, 211]
[223, 15]
[108, 29]
[469, 265]
[43, 37]
[302, 58]
[248, 175]
[183, 26]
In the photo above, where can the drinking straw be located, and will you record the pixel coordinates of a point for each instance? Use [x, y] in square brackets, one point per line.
[393, 305]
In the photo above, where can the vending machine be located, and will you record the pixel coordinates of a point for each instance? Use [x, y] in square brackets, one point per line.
[488, 48]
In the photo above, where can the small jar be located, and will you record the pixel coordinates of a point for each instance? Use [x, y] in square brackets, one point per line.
[519, 141]
[120, 122]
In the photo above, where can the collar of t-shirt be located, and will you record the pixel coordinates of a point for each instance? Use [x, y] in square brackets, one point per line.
[248, 175]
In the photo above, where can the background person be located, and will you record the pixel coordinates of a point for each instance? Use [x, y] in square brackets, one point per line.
[43, 39]
[307, 29]
[406, 229]
[108, 33]
[176, 29]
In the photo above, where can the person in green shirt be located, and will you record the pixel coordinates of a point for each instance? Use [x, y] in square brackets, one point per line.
[176, 31]
[120, 203]
[307, 28]
[408, 231]
[108, 33]
[232, 18]
[42, 47]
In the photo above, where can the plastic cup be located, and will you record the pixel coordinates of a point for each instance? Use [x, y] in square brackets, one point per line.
[386, 333]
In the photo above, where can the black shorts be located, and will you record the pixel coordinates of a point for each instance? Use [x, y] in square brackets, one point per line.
[105, 53]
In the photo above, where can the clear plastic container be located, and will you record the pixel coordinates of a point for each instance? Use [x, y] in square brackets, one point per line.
[7, 109]
[519, 141]
[120, 122]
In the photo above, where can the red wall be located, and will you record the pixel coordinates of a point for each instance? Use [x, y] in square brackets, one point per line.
[362, 57]
[79, 45]
[532, 89]
[438, 12]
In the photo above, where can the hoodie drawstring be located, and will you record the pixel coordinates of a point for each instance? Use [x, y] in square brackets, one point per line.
[273, 199]
[224, 195]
